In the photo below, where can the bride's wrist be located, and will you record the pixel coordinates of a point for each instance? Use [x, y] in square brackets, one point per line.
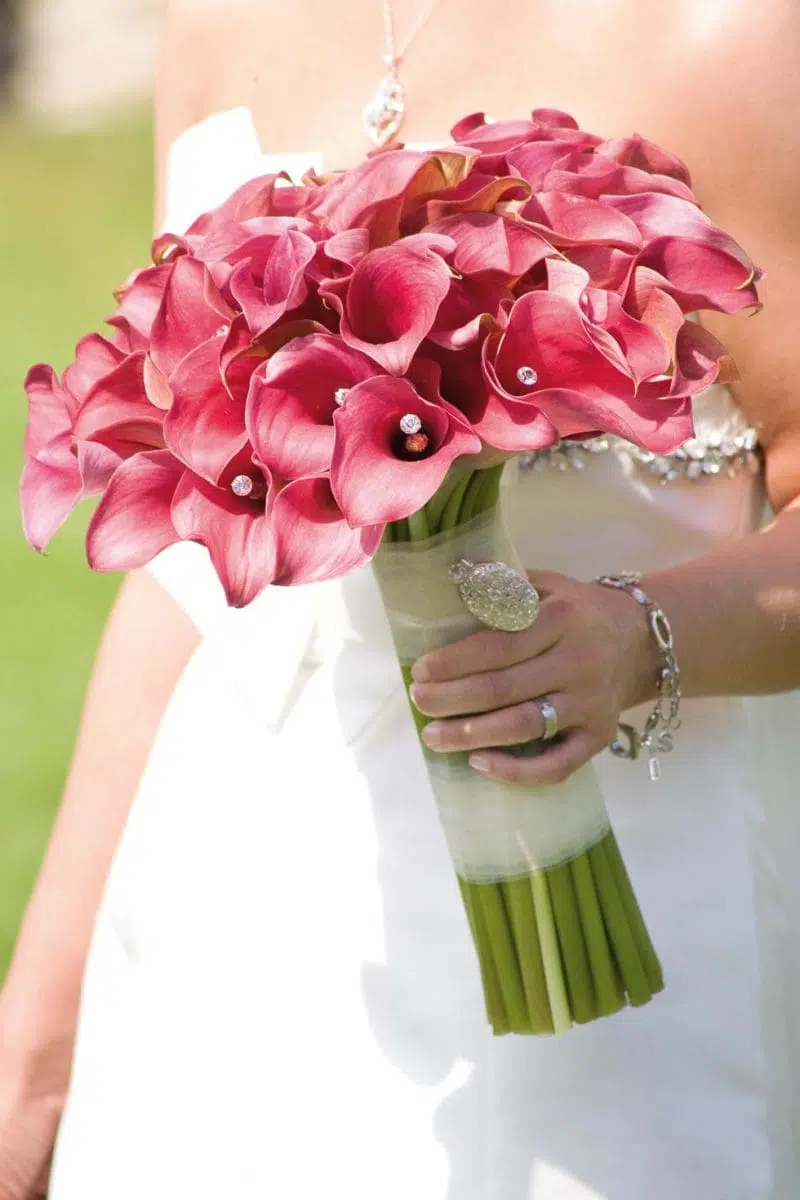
[639, 656]
[35, 1057]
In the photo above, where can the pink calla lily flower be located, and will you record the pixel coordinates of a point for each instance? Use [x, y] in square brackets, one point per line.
[204, 427]
[314, 540]
[491, 244]
[152, 501]
[58, 474]
[138, 302]
[374, 478]
[79, 430]
[577, 383]
[392, 299]
[191, 311]
[237, 532]
[293, 399]
[132, 522]
[376, 194]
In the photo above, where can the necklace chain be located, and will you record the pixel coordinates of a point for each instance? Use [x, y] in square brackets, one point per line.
[394, 54]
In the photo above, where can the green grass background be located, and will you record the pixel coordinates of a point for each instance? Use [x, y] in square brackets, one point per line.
[75, 218]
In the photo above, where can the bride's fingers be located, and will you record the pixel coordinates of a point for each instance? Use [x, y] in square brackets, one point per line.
[491, 650]
[554, 766]
[507, 727]
[489, 690]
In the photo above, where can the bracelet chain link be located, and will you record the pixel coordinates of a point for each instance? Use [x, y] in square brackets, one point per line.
[658, 735]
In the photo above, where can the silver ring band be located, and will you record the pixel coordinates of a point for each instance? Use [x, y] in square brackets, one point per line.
[550, 718]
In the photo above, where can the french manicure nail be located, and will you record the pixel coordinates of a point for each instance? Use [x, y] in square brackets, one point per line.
[432, 735]
[479, 762]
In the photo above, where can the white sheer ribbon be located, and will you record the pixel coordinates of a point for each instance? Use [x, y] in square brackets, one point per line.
[494, 830]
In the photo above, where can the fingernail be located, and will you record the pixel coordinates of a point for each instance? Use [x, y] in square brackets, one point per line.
[412, 691]
[432, 735]
[479, 762]
[420, 671]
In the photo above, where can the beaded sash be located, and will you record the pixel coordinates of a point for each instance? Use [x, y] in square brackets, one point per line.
[725, 446]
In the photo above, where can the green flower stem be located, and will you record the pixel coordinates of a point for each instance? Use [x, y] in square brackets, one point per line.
[388, 535]
[489, 902]
[490, 492]
[519, 905]
[619, 931]
[609, 995]
[471, 498]
[438, 502]
[492, 991]
[400, 531]
[551, 956]
[573, 945]
[450, 517]
[647, 953]
[418, 528]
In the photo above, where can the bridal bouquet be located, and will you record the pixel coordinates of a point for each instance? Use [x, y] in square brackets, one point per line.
[301, 383]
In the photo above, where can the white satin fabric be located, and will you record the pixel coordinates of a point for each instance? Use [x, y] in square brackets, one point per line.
[282, 998]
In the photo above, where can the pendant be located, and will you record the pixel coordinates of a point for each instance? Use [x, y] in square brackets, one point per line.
[384, 114]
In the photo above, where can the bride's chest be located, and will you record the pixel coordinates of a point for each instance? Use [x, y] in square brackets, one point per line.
[306, 70]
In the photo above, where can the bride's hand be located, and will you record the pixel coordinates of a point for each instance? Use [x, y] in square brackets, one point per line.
[589, 653]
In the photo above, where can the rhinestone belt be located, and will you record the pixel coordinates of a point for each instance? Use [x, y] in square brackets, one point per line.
[726, 453]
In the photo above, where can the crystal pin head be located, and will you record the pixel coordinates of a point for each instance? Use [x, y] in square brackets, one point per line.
[241, 485]
[410, 423]
[340, 395]
[527, 376]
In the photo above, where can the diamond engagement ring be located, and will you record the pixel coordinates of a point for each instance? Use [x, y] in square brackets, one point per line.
[550, 718]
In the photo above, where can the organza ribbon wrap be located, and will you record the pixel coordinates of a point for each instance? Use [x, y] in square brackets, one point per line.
[495, 831]
[556, 925]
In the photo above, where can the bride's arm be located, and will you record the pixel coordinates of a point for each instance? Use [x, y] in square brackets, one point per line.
[146, 645]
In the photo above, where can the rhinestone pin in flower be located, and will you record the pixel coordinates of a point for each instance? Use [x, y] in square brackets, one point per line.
[496, 594]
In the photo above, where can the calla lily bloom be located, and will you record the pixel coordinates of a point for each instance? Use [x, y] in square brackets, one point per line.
[314, 540]
[138, 302]
[191, 311]
[58, 472]
[491, 244]
[547, 360]
[376, 194]
[374, 476]
[392, 299]
[293, 398]
[79, 430]
[152, 501]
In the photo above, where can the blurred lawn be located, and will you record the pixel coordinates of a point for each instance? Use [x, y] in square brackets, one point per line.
[75, 215]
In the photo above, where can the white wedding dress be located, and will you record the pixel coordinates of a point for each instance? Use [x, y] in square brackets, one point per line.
[282, 998]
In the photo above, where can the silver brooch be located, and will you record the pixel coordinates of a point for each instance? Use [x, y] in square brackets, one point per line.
[496, 594]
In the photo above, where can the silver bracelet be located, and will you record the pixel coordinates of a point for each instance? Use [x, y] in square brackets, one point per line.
[657, 737]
